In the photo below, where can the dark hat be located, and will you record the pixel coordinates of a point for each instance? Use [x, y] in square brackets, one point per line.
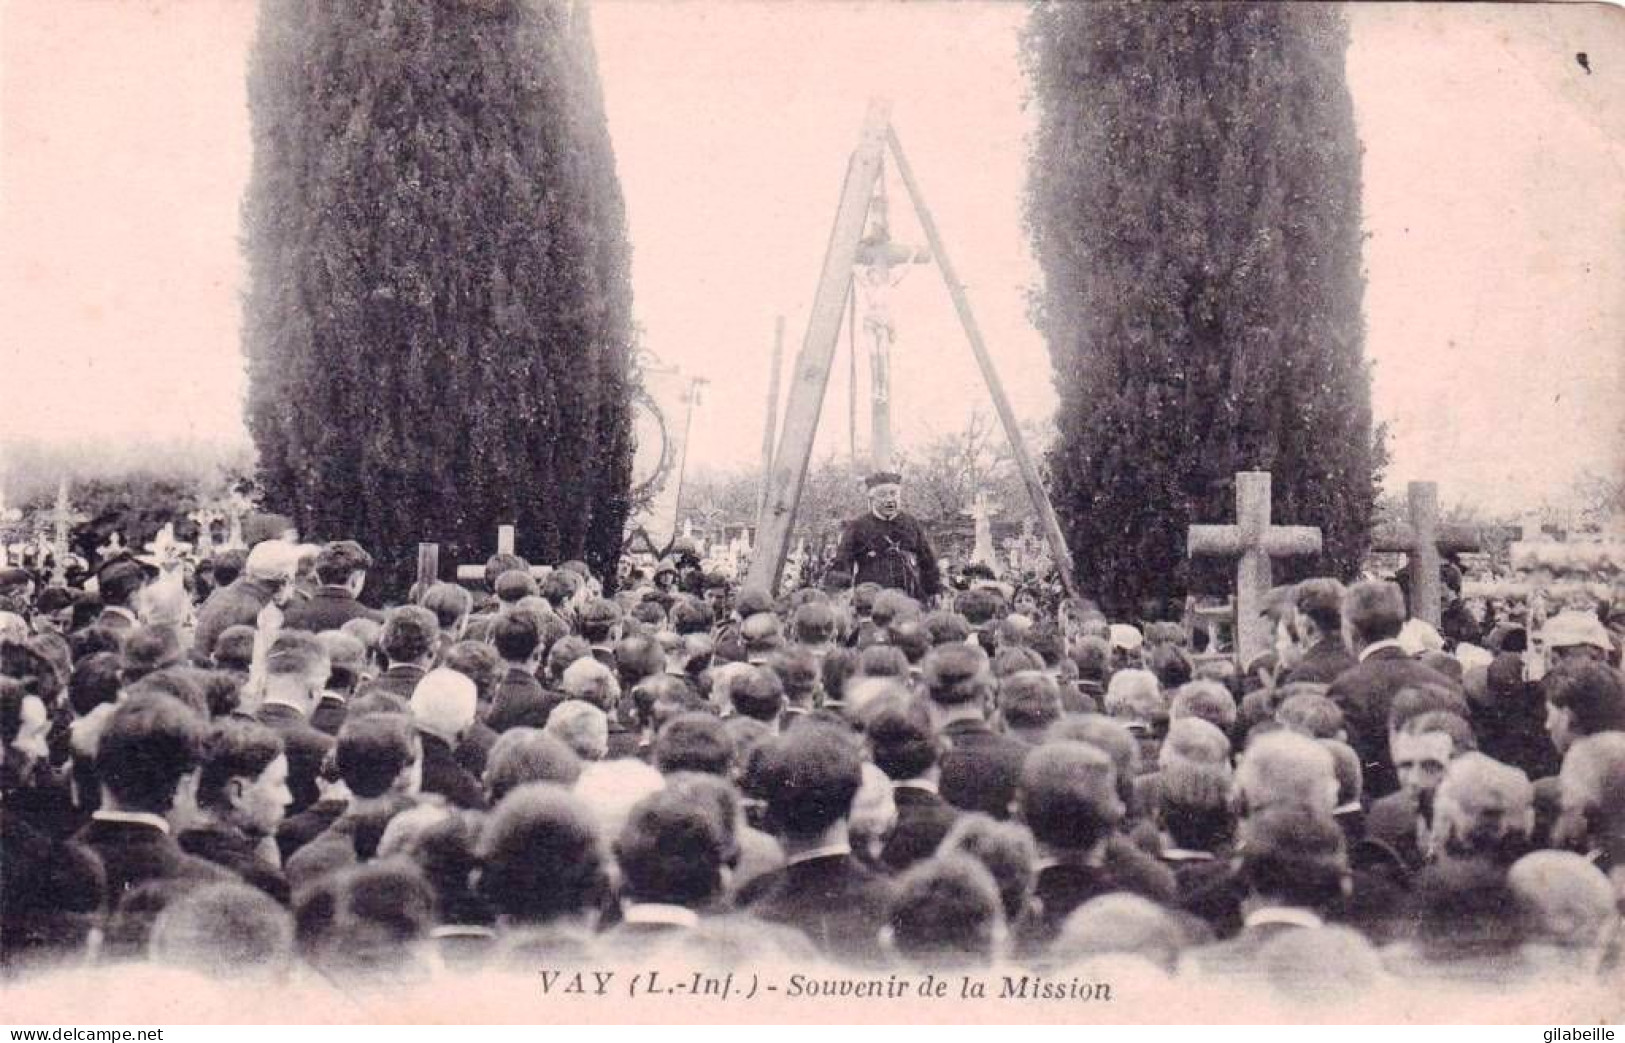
[55, 599]
[123, 572]
[882, 478]
[342, 556]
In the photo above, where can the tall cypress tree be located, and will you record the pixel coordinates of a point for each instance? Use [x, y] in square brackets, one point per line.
[438, 322]
[1194, 203]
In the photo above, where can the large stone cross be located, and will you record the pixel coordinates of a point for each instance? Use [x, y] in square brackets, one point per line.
[1425, 540]
[429, 560]
[1254, 542]
[982, 512]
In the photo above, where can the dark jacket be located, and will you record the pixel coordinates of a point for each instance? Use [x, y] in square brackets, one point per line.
[1365, 693]
[237, 604]
[400, 679]
[837, 903]
[982, 769]
[134, 853]
[474, 748]
[1065, 884]
[923, 820]
[327, 609]
[520, 701]
[232, 849]
[1321, 664]
[1393, 821]
[298, 830]
[328, 717]
[894, 553]
[352, 839]
[305, 747]
[443, 775]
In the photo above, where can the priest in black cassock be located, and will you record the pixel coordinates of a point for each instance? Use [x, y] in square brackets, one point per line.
[888, 546]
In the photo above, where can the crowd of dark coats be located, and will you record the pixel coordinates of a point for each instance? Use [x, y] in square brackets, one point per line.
[276, 780]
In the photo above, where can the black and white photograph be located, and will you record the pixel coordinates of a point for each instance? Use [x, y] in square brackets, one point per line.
[826, 511]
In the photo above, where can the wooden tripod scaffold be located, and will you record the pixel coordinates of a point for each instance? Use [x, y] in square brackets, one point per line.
[810, 378]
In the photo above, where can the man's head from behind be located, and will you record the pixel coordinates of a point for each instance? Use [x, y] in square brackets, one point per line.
[810, 775]
[150, 742]
[1582, 699]
[673, 851]
[1483, 809]
[1293, 856]
[1068, 796]
[1283, 768]
[409, 636]
[343, 563]
[1372, 611]
[376, 754]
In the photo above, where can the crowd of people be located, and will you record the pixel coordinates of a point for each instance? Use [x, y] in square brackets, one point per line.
[277, 780]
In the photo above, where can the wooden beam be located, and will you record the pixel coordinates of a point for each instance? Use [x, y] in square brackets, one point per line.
[1018, 445]
[428, 565]
[811, 377]
[770, 427]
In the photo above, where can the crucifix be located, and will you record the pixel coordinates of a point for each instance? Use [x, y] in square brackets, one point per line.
[982, 512]
[236, 507]
[61, 517]
[810, 378]
[1253, 542]
[1423, 539]
[205, 517]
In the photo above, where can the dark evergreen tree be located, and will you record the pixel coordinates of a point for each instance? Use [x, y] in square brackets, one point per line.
[438, 320]
[1194, 202]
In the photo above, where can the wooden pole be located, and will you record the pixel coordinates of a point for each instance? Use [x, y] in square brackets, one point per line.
[770, 427]
[973, 333]
[811, 377]
[852, 373]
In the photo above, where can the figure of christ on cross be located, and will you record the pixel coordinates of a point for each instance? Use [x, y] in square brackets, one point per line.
[1254, 543]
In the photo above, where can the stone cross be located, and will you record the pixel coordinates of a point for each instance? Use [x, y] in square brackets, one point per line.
[983, 513]
[1423, 539]
[507, 538]
[236, 507]
[1254, 542]
[61, 517]
[205, 517]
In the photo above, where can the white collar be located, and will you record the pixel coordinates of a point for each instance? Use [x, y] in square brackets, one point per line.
[1290, 916]
[660, 913]
[461, 931]
[1345, 809]
[842, 848]
[277, 700]
[120, 610]
[143, 818]
[925, 785]
[1179, 854]
[1376, 646]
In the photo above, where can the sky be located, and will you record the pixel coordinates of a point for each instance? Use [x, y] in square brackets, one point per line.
[1495, 255]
